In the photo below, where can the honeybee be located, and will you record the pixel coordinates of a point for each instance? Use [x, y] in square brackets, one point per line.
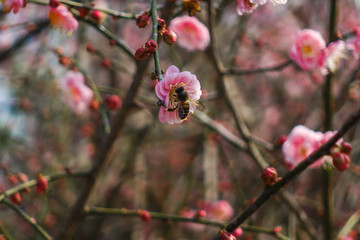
[183, 103]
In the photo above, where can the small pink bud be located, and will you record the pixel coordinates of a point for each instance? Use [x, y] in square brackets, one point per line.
[141, 54]
[94, 105]
[143, 20]
[23, 177]
[12, 179]
[151, 46]
[277, 229]
[96, 15]
[113, 102]
[269, 176]
[341, 161]
[346, 148]
[237, 232]
[144, 215]
[161, 23]
[54, 3]
[223, 235]
[169, 37]
[200, 214]
[106, 63]
[90, 48]
[41, 185]
[15, 198]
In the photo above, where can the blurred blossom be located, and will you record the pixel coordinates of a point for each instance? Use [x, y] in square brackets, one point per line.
[191, 33]
[76, 94]
[220, 211]
[300, 143]
[333, 54]
[308, 49]
[275, 2]
[134, 36]
[165, 90]
[354, 43]
[62, 18]
[13, 5]
[245, 7]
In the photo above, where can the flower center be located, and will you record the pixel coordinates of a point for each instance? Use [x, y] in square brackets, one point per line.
[302, 151]
[307, 51]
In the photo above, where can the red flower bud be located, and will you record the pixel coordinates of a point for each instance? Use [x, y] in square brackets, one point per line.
[113, 102]
[97, 16]
[83, 12]
[54, 3]
[143, 20]
[237, 232]
[23, 177]
[169, 37]
[200, 214]
[269, 176]
[346, 148]
[94, 105]
[144, 215]
[279, 141]
[12, 179]
[277, 229]
[151, 46]
[223, 235]
[90, 48]
[161, 23]
[141, 54]
[112, 42]
[64, 61]
[106, 63]
[15, 198]
[41, 185]
[341, 161]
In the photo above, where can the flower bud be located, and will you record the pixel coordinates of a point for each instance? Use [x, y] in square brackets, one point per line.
[144, 215]
[15, 198]
[161, 23]
[94, 105]
[54, 3]
[277, 229]
[169, 37]
[200, 214]
[237, 232]
[141, 54]
[346, 148]
[151, 46]
[279, 141]
[269, 176]
[113, 102]
[83, 12]
[143, 20]
[223, 235]
[341, 161]
[106, 63]
[97, 16]
[90, 48]
[41, 185]
[64, 61]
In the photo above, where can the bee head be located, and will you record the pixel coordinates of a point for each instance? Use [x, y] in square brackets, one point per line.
[179, 89]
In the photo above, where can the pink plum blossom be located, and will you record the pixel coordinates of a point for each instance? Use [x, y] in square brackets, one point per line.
[76, 94]
[332, 56]
[13, 5]
[300, 143]
[275, 2]
[308, 49]
[165, 90]
[245, 7]
[354, 43]
[220, 210]
[191, 33]
[62, 18]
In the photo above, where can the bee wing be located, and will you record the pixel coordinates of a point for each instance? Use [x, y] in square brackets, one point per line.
[200, 106]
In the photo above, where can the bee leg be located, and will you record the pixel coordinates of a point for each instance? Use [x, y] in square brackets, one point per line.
[161, 103]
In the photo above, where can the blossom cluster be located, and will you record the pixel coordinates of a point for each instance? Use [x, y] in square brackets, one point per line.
[302, 141]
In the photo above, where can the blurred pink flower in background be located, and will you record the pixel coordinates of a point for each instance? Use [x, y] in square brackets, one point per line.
[300, 143]
[245, 7]
[62, 18]
[191, 33]
[220, 210]
[76, 94]
[13, 5]
[165, 90]
[308, 49]
[275, 2]
[332, 56]
[354, 43]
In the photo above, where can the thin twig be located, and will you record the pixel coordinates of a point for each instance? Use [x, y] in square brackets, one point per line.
[350, 224]
[29, 219]
[94, 211]
[155, 38]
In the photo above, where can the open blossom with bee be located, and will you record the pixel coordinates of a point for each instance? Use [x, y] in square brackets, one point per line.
[179, 93]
